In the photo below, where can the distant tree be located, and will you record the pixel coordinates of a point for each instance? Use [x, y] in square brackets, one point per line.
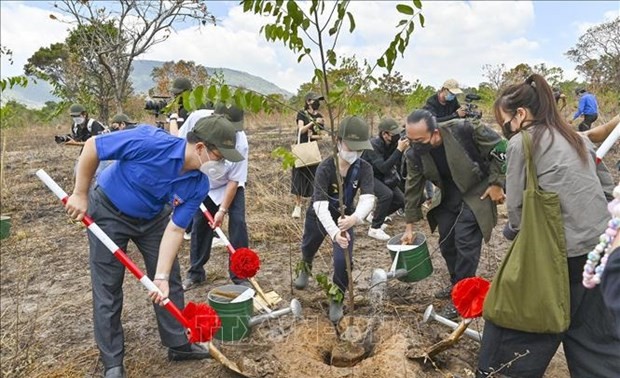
[518, 74]
[139, 25]
[394, 87]
[164, 76]
[597, 54]
[495, 75]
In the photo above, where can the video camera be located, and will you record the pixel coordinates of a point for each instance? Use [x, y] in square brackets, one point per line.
[471, 110]
[156, 104]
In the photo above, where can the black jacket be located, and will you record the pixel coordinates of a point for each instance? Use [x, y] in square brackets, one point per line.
[442, 112]
[385, 161]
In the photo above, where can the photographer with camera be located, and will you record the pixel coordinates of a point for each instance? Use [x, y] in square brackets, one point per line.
[444, 104]
[176, 120]
[385, 158]
[82, 129]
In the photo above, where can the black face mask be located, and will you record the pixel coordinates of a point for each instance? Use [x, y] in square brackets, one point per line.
[423, 148]
[395, 139]
[315, 105]
[507, 131]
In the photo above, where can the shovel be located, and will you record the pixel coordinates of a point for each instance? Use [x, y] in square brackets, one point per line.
[231, 250]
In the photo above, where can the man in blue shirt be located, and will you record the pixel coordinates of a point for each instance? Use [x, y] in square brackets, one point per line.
[588, 107]
[154, 174]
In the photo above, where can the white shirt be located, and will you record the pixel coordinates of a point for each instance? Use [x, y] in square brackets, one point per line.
[234, 171]
[191, 120]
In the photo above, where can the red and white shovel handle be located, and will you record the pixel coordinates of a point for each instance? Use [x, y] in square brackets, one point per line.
[217, 230]
[115, 249]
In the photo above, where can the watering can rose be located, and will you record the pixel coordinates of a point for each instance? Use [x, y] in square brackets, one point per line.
[244, 263]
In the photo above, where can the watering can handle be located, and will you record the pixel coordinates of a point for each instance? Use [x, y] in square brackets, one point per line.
[115, 249]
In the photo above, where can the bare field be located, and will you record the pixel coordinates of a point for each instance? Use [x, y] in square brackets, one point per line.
[46, 306]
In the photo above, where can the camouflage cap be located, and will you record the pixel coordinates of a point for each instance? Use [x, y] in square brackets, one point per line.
[233, 113]
[180, 85]
[218, 130]
[355, 133]
[76, 109]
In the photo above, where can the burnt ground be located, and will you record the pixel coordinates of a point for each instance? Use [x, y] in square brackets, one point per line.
[46, 306]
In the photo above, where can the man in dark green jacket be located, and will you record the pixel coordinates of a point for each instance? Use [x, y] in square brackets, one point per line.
[466, 162]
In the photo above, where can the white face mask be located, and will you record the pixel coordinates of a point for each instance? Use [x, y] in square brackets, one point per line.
[78, 120]
[214, 169]
[349, 156]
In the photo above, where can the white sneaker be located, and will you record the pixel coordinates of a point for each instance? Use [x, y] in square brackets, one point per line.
[217, 242]
[187, 236]
[377, 233]
[296, 212]
[388, 219]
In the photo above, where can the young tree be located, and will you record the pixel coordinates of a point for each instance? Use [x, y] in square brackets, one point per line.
[12, 81]
[139, 25]
[494, 75]
[394, 87]
[597, 54]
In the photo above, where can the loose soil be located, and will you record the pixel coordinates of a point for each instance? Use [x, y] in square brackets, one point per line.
[46, 306]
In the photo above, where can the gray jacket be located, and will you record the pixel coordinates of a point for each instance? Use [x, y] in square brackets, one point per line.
[559, 170]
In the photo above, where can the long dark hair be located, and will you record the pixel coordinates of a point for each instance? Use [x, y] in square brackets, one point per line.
[536, 95]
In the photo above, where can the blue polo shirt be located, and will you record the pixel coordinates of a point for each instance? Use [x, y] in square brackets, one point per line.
[147, 174]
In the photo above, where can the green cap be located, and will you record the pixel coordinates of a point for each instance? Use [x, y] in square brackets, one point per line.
[389, 125]
[217, 130]
[76, 109]
[180, 85]
[122, 118]
[355, 133]
[233, 113]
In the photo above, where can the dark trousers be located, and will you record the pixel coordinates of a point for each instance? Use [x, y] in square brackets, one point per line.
[107, 275]
[591, 346]
[314, 234]
[388, 201]
[460, 241]
[588, 120]
[202, 235]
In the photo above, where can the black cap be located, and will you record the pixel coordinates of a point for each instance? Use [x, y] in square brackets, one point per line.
[233, 113]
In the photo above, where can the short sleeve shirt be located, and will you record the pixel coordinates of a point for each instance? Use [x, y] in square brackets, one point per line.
[148, 174]
[326, 185]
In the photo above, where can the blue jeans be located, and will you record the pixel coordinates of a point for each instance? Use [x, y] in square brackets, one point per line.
[202, 234]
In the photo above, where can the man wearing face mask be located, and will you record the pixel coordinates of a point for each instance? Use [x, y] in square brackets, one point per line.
[83, 127]
[154, 174]
[444, 105]
[226, 197]
[385, 158]
[323, 216]
[465, 160]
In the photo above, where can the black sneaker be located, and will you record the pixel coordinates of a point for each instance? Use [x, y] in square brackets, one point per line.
[449, 312]
[444, 293]
[188, 352]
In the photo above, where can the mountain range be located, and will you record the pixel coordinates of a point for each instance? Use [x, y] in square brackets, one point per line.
[35, 95]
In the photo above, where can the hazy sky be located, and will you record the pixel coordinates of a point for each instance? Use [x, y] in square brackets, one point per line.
[458, 38]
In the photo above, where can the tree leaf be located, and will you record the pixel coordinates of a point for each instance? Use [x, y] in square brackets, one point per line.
[404, 9]
[224, 93]
[421, 17]
[352, 22]
[417, 4]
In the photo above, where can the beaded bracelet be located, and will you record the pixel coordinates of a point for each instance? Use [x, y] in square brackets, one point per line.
[591, 271]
